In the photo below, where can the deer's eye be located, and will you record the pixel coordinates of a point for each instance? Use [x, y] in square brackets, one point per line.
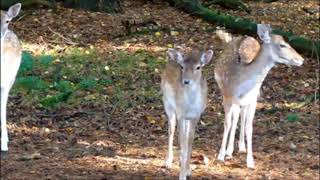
[282, 46]
[7, 21]
[181, 67]
[198, 67]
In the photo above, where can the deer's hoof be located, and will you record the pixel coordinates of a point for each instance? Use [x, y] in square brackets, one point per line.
[168, 163]
[221, 157]
[229, 156]
[250, 163]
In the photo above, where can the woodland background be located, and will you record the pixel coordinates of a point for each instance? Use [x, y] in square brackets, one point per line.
[86, 102]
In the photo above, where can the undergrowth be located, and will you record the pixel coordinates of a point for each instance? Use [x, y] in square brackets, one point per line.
[82, 76]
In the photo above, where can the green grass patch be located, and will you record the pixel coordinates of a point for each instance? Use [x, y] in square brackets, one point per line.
[31, 83]
[26, 63]
[292, 117]
[82, 76]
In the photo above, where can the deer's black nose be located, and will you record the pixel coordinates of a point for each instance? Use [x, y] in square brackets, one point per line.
[186, 81]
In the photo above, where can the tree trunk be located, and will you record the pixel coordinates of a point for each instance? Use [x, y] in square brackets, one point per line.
[245, 26]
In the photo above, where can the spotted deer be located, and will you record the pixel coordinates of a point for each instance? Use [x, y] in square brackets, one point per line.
[10, 62]
[185, 97]
[240, 80]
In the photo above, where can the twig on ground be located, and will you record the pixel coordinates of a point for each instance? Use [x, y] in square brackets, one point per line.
[66, 40]
[22, 16]
[63, 115]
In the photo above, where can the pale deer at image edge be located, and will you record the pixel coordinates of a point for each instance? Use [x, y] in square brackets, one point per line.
[240, 84]
[10, 62]
[185, 98]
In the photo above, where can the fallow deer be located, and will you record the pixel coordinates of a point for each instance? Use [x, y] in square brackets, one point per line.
[10, 62]
[240, 81]
[185, 97]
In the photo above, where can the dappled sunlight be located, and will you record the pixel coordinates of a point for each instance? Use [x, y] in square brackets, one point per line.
[103, 47]
[124, 161]
[156, 163]
[22, 128]
[41, 49]
[130, 47]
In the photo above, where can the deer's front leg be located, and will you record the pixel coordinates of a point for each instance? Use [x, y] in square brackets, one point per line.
[193, 124]
[186, 133]
[227, 126]
[183, 149]
[4, 131]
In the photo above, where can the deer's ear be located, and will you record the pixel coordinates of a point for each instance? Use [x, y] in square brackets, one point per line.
[175, 55]
[14, 10]
[264, 31]
[206, 57]
[249, 49]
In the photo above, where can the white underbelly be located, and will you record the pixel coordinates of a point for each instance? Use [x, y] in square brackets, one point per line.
[9, 69]
[248, 97]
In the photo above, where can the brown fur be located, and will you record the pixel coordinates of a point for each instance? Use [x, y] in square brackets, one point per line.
[172, 74]
[185, 98]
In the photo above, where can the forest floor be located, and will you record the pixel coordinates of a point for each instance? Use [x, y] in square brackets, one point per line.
[87, 103]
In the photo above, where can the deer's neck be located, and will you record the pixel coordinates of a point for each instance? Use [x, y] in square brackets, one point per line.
[262, 65]
[3, 34]
[192, 101]
[2, 44]
[250, 77]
